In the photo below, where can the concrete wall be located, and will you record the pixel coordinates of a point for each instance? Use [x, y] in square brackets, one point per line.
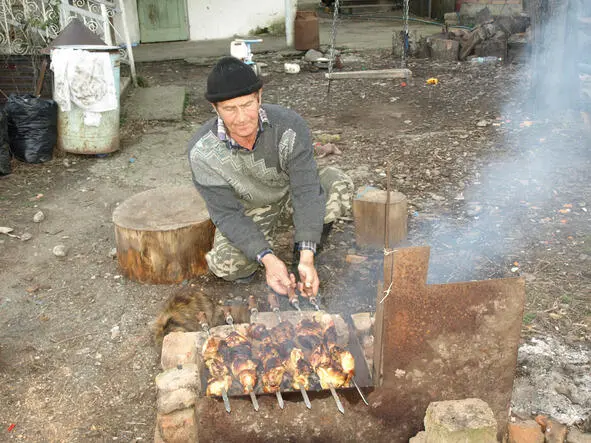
[216, 19]
[496, 7]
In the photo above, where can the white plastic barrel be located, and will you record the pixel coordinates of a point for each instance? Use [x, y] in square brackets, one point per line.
[77, 136]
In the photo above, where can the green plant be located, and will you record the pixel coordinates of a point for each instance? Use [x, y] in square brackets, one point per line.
[528, 318]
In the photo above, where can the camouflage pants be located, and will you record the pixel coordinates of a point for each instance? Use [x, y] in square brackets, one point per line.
[229, 263]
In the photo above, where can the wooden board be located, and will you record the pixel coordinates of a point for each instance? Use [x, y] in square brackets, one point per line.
[381, 73]
[163, 234]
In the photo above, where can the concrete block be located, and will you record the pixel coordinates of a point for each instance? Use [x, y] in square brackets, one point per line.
[421, 437]
[469, 420]
[173, 379]
[178, 427]
[554, 432]
[178, 348]
[525, 432]
[157, 103]
[176, 400]
[444, 49]
[363, 323]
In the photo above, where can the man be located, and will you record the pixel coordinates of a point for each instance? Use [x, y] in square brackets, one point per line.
[254, 166]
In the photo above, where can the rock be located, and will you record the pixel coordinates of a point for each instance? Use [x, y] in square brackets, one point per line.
[173, 379]
[60, 251]
[483, 123]
[362, 323]
[179, 348]
[39, 217]
[460, 420]
[26, 236]
[525, 432]
[576, 436]
[312, 55]
[178, 427]
[115, 332]
[176, 400]
[5, 230]
[113, 253]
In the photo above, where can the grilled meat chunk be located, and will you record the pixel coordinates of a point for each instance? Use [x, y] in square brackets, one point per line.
[215, 386]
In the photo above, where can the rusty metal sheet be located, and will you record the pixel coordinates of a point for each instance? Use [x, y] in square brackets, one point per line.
[444, 342]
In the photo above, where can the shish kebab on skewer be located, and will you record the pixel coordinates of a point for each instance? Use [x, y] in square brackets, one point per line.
[219, 381]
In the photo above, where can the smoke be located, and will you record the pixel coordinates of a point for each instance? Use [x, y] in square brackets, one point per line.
[518, 200]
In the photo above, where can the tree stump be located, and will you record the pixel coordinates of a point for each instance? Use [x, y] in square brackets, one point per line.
[369, 212]
[163, 234]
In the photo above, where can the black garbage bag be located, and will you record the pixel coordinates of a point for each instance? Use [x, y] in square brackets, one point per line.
[32, 127]
[4, 149]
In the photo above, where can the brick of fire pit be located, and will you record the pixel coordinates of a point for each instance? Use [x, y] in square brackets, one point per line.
[460, 420]
[178, 348]
[362, 323]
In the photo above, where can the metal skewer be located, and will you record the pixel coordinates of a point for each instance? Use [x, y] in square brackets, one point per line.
[359, 390]
[280, 399]
[337, 399]
[293, 300]
[272, 299]
[313, 301]
[306, 398]
[252, 305]
[229, 319]
[253, 398]
[202, 318]
[226, 401]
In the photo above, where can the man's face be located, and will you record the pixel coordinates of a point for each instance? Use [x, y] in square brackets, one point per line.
[241, 115]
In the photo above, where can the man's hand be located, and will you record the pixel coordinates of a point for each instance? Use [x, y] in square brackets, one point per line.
[276, 274]
[309, 282]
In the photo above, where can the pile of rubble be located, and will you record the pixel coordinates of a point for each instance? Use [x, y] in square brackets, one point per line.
[504, 38]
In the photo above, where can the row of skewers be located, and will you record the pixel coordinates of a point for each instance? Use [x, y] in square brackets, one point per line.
[280, 362]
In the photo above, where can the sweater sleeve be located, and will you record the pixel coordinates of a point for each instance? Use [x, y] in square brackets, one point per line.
[308, 197]
[226, 211]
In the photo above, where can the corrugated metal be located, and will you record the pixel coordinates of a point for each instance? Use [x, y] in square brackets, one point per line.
[19, 73]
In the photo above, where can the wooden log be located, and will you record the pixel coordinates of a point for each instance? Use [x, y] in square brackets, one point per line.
[163, 234]
[369, 212]
[380, 73]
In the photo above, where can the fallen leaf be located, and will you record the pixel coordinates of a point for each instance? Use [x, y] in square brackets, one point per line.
[355, 259]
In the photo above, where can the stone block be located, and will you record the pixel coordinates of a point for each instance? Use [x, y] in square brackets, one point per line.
[177, 400]
[469, 420]
[178, 348]
[362, 323]
[443, 49]
[173, 379]
[178, 427]
[525, 432]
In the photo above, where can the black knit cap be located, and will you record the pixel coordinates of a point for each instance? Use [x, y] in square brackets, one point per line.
[231, 78]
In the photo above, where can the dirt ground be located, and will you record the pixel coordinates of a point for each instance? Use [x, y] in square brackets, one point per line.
[493, 189]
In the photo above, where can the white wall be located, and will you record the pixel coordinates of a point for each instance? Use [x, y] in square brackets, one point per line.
[216, 19]
[132, 23]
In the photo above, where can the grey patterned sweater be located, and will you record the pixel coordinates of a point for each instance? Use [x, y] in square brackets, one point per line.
[232, 180]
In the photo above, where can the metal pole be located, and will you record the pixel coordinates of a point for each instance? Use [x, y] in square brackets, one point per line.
[128, 43]
[289, 23]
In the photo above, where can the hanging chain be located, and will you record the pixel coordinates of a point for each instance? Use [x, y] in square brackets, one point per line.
[405, 39]
[333, 35]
